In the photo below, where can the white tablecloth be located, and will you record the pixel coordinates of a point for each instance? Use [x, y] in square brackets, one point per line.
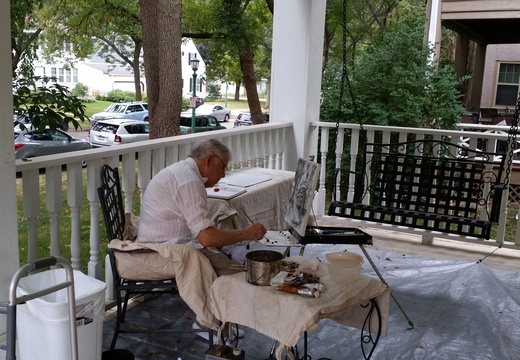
[264, 203]
[285, 317]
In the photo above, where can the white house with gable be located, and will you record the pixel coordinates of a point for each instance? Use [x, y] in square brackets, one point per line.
[101, 77]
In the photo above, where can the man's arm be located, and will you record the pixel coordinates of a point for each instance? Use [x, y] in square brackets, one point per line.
[213, 237]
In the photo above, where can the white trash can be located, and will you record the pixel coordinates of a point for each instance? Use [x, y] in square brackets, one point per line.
[42, 324]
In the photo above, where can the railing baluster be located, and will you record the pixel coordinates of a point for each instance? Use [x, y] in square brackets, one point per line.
[54, 205]
[354, 149]
[75, 199]
[31, 210]
[94, 265]
[128, 181]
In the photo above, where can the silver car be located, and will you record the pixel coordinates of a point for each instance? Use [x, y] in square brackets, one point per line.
[243, 119]
[118, 131]
[132, 110]
[218, 111]
[31, 142]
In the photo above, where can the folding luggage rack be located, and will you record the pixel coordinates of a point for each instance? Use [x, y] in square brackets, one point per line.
[334, 235]
[9, 308]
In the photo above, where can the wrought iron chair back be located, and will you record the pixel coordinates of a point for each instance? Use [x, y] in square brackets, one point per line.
[111, 200]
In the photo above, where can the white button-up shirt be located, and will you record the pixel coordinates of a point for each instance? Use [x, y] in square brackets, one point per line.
[174, 208]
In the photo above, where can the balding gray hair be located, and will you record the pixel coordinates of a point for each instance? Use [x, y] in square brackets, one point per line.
[211, 146]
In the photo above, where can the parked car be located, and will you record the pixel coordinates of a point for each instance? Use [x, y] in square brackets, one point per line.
[21, 118]
[30, 142]
[199, 100]
[244, 119]
[218, 111]
[202, 123]
[118, 131]
[130, 110]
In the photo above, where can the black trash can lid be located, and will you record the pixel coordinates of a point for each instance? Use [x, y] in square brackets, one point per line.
[117, 354]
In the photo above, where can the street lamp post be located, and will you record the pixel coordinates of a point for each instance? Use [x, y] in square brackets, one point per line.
[194, 66]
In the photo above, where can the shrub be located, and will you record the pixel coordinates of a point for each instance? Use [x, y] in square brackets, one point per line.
[214, 91]
[185, 104]
[118, 95]
[80, 90]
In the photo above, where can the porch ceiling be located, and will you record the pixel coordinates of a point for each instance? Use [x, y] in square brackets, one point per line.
[487, 31]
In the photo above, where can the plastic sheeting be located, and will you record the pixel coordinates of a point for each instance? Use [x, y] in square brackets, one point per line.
[460, 310]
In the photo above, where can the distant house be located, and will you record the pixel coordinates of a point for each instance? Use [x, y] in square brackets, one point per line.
[501, 83]
[487, 48]
[101, 77]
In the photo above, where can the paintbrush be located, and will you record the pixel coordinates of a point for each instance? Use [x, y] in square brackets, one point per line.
[252, 222]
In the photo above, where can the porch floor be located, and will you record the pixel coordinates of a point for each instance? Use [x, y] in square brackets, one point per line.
[461, 308]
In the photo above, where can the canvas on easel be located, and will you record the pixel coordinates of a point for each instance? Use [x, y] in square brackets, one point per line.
[300, 202]
[299, 207]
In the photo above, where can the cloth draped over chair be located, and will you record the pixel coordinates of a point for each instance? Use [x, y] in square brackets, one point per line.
[192, 271]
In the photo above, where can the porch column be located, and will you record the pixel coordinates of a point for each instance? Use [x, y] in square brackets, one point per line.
[9, 259]
[433, 29]
[298, 31]
[461, 55]
[478, 76]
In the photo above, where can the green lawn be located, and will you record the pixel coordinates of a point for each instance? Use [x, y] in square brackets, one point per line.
[95, 107]
[98, 106]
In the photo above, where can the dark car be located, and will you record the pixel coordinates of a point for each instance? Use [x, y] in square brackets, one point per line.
[202, 123]
[31, 142]
[244, 119]
[199, 101]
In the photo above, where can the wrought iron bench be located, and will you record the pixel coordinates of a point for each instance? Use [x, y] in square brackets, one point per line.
[428, 184]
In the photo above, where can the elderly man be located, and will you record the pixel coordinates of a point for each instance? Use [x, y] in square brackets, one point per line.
[174, 210]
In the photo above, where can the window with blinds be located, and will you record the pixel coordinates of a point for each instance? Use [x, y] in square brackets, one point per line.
[508, 84]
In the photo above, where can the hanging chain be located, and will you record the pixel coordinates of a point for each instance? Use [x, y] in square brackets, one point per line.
[345, 76]
[344, 69]
[511, 141]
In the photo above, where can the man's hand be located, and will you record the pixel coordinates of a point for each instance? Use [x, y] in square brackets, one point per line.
[256, 231]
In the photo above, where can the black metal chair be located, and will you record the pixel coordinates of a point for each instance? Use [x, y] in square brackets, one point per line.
[110, 197]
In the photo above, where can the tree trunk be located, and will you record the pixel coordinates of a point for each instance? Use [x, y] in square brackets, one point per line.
[248, 71]
[161, 21]
[237, 91]
[268, 93]
[329, 36]
[137, 73]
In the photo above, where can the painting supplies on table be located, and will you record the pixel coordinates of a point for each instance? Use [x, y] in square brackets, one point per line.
[298, 282]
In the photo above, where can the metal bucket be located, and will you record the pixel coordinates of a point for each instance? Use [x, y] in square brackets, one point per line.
[262, 266]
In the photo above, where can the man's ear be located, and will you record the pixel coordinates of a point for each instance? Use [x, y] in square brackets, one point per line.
[207, 159]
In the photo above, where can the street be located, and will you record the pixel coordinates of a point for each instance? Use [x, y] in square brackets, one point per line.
[83, 134]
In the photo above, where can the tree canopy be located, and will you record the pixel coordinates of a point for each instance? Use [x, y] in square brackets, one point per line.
[393, 83]
[236, 33]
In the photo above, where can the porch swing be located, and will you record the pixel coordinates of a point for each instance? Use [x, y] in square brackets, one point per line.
[432, 183]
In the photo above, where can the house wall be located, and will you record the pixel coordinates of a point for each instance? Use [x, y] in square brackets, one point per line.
[101, 77]
[188, 48]
[495, 54]
[97, 82]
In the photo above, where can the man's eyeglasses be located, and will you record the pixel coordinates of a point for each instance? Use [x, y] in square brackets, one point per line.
[226, 169]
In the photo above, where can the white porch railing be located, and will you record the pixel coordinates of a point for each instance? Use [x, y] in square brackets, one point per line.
[260, 145]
